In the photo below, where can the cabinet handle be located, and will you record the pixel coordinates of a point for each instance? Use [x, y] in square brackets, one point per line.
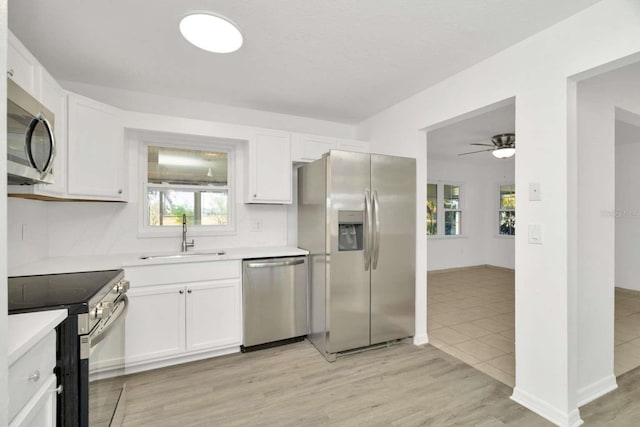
[10, 72]
[120, 191]
[34, 377]
[189, 291]
[59, 389]
[255, 195]
[181, 291]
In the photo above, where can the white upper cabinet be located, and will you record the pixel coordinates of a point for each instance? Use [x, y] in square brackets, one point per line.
[22, 67]
[307, 148]
[96, 151]
[353, 145]
[269, 168]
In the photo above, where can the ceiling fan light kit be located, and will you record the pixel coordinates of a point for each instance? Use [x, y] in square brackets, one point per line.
[503, 153]
[504, 146]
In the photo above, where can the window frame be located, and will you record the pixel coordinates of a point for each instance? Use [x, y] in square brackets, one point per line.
[500, 210]
[188, 143]
[440, 210]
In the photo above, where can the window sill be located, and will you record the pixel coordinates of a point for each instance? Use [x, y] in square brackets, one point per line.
[462, 236]
[504, 236]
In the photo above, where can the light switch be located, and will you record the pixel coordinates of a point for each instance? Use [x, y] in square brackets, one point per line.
[534, 191]
[535, 234]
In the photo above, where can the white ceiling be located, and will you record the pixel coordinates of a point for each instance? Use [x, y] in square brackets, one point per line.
[447, 143]
[340, 60]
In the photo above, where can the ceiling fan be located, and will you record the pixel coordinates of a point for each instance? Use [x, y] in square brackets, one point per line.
[504, 146]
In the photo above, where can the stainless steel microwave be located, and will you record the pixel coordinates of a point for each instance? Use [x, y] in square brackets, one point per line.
[31, 144]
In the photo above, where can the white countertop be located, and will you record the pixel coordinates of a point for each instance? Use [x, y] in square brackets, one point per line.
[25, 330]
[108, 262]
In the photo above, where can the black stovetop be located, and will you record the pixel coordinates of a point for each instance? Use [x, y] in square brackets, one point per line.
[49, 291]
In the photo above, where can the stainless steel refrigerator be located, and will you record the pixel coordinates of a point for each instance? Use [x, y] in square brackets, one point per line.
[357, 219]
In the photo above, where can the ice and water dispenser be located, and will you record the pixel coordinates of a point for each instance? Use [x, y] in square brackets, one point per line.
[350, 230]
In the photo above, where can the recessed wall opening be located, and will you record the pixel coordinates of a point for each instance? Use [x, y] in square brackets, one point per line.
[471, 226]
[627, 253]
[608, 228]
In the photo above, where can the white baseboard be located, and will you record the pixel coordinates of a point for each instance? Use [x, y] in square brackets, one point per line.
[421, 339]
[132, 368]
[542, 408]
[596, 389]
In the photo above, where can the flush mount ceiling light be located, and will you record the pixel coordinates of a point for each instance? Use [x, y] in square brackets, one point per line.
[211, 32]
[503, 153]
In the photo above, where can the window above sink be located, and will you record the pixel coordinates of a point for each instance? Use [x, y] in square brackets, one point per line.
[187, 176]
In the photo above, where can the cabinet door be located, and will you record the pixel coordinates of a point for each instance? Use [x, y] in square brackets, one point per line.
[155, 325]
[353, 145]
[313, 147]
[270, 169]
[54, 98]
[40, 410]
[96, 150]
[213, 315]
[22, 67]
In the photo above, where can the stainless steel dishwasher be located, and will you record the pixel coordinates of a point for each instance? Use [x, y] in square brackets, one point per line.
[274, 301]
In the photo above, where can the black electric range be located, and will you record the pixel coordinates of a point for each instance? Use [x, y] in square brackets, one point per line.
[95, 300]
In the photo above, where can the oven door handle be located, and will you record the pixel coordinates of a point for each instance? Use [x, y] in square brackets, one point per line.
[101, 331]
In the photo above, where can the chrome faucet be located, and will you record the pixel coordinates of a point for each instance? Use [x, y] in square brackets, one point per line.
[186, 244]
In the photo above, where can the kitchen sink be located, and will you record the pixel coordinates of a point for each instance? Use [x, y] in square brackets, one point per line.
[184, 255]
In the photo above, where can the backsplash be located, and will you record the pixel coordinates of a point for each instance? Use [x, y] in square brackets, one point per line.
[54, 229]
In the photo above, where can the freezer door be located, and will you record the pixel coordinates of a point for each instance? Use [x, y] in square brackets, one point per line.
[312, 236]
[393, 186]
[348, 290]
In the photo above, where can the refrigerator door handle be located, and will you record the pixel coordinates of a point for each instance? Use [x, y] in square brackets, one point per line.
[367, 231]
[376, 231]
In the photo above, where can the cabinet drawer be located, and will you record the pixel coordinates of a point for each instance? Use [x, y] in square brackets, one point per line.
[182, 273]
[29, 372]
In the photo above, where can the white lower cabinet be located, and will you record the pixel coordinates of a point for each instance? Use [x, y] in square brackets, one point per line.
[169, 323]
[155, 323]
[32, 383]
[40, 411]
[213, 315]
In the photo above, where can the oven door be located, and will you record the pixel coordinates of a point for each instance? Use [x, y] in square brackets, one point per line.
[106, 368]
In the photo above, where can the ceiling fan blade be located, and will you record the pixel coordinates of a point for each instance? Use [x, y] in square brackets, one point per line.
[486, 145]
[474, 152]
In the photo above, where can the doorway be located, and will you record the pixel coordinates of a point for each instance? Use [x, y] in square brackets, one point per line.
[471, 211]
[608, 228]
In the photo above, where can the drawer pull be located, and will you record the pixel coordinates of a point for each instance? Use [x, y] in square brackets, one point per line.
[59, 389]
[34, 377]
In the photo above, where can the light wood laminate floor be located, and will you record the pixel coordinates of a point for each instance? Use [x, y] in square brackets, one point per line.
[293, 385]
[471, 316]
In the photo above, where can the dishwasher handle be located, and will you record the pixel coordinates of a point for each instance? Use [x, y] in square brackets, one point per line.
[269, 264]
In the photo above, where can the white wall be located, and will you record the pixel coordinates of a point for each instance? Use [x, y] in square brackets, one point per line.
[604, 242]
[480, 243]
[56, 229]
[627, 213]
[178, 107]
[4, 393]
[536, 72]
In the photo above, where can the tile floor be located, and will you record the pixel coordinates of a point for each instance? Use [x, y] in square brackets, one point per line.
[627, 331]
[471, 316]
